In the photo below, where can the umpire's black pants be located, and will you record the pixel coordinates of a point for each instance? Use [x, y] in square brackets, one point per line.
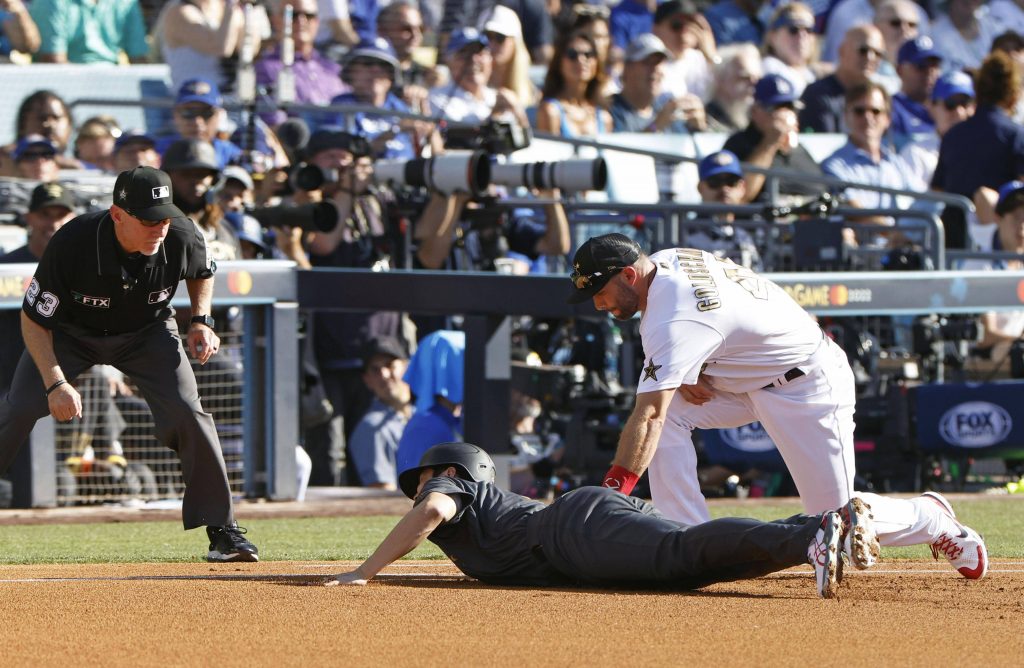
[155, 360]
[600, 537]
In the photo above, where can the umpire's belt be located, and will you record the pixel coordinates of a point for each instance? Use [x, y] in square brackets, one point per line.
[787, 377]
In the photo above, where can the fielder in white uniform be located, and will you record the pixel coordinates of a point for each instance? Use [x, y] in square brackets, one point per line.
[724, 347]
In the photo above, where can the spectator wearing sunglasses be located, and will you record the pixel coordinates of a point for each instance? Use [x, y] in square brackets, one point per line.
[770, 140]
[951, 101]
[199, 114]
[573, 104]
[864, 159]
[824, 100]
[688, 37]
[898, 21]
[316, 78]
[401, 24]
[850, 13]
[510, 54]
[722, 182]
[735, 21]
[791, 47]
[964, 33]
[919, 65]
[35, 158]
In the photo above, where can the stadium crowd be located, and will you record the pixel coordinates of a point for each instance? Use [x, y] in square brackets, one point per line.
[928, 96]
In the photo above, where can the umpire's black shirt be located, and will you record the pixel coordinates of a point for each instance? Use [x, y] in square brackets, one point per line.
[85, 282]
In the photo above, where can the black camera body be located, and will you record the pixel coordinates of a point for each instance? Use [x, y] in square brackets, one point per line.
[493, 137]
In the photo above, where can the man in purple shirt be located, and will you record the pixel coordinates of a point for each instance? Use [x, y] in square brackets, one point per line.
[317, 79]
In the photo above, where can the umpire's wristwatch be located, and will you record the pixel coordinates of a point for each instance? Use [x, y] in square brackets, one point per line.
[203, 320]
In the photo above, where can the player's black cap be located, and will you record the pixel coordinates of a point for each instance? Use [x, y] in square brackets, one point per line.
[145, 192]
[51, 194]
[597, 261]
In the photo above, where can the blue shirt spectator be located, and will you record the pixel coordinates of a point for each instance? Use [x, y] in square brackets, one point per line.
[735, 21]
[855, 165]
[370, 69]
[78, 32]
[629, 19]
[363, 14]
[918, 64]
[435, 376]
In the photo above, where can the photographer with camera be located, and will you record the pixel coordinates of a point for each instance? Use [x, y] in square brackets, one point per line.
[369, 234]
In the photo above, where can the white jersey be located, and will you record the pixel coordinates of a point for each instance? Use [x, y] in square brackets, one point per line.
[713, 316]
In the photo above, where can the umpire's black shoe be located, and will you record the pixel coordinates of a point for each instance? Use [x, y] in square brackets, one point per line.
[229, 544]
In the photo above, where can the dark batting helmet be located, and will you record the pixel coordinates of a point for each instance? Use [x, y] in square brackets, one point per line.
[470, 461]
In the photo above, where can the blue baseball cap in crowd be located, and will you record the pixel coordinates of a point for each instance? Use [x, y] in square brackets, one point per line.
[132, 136]
[1011, 195]
[463, 37]
[792, 19]
[199, 90]
[722, 162]
[34, 143]
[953, 83]
[916, 51]
[774, 89]
[377, 48]
[247, 228]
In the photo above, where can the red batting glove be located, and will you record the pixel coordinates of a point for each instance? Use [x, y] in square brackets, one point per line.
[620, 479]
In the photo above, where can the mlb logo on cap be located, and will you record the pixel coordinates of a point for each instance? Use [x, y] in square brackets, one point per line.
[145, 193]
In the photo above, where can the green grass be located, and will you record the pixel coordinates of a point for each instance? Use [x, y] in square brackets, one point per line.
[1001, 520]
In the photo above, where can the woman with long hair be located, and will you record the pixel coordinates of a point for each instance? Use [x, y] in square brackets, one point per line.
[511, 57]
[790, 46]
[574, 102]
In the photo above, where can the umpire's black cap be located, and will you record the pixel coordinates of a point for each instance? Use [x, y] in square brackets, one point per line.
[597, 261]
[145, 192]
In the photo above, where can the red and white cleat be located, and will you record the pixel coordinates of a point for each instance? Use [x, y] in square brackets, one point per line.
[965, 551]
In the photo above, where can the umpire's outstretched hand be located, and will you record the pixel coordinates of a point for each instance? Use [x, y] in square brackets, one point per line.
[65, 403]
[203, 342]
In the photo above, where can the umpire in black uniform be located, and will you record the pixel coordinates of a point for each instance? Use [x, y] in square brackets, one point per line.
[102, 294]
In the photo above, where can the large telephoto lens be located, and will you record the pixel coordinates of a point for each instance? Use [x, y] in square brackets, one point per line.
[314, 217]
[567, 175]
[463, 171]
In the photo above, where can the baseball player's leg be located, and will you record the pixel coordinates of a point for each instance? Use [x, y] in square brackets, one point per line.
[811, 422]
[902, 522]
[599, 536]
[675, 488]
[159, 366]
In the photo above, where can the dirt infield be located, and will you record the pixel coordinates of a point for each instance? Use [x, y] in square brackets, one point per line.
[426, 614]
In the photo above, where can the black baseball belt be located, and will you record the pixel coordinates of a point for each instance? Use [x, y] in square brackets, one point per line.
[787, 377]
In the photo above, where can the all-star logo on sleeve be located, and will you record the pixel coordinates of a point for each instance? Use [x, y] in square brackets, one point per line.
[651, 371]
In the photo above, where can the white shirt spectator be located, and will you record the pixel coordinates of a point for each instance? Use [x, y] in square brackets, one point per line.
[457, 104]
[1008, 15]
[329, 10]
[689, 74]
[799, 77]
[959, 53]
